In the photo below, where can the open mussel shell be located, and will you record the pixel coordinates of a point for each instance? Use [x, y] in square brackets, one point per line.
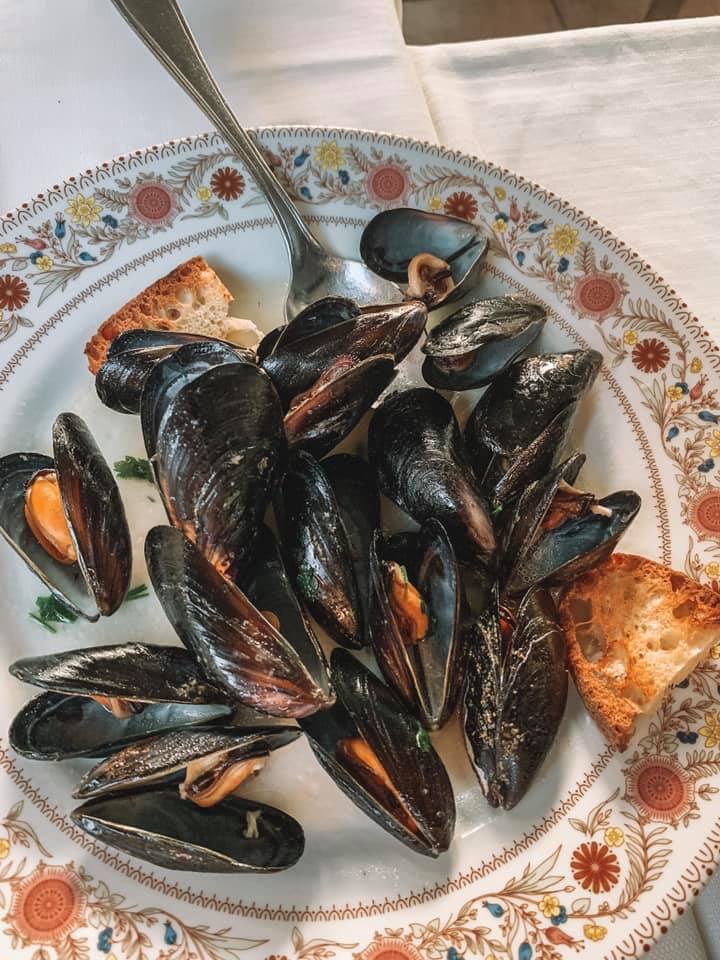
[166, 757]
[424, 672]
[168, 377]
[318, 553]
[571, 546]
[382, 759]
[221, 450]
[94, 511]
[323, 416]
[324, 313]
[237, 646]
[477, 342]
[57, 726]
[416, 449]
[515, 695]
[300, 358]
[392, 238]
[157, 825]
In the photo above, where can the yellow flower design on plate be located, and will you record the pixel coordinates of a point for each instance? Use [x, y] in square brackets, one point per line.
[435, 203]
[44, 263]
[675, 393]
[549, 906]
[203, 193]
[8, 248]
[711, 730]
[614, 837]
[4, 848]
[712, 570]
[713, 443]
[500, 193]
[564, 239]
[630, 337]
[328, 155]
[593, 931]
[83, 210]
[696, 365]
[715, 652]
[500, 225]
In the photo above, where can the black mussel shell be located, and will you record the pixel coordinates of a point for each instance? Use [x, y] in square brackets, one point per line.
[319, 556]
[515, 695]
[55, 726]
[65, 582]
[299, 361]
[324, 313]
[269, 590]
[140, 672]
[94, 512]
[358, 499]
[477, 342]
[318, 420]
[426, 673]
[221, 450]
[235, 836]
[392, 238]
[369, 710]
[237, 647]
[164, 757]
[169, 376]
[145, 339]
[417, 451]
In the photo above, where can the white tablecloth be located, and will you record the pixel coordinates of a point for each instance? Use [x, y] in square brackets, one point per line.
[621, 121]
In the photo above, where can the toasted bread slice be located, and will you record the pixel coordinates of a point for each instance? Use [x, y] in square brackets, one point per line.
[634, 628]
[190, 299]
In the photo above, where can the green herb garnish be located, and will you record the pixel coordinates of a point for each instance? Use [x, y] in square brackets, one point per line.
[50, 610]
[496, 510]
[137, 593]
[134, 468]
[422, 739]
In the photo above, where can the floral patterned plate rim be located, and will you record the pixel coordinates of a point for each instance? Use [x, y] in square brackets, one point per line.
[588, 860]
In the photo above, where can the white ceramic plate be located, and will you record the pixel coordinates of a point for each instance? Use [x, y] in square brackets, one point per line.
[605, 849]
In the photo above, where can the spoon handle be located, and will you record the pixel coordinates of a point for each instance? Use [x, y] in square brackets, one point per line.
[161, 25]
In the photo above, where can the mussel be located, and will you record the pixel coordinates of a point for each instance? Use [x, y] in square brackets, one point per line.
[221, 450]
[209, 763]
[64, 517]
[241, 648]
[101, 698]
[416, 619]
[236, 836]
[323, 313]
[557, 532]
[477, 342]
[515, 694]
[133, 356]
[382, 758]
[518, 428]
[318, 552]
[400, 244]
[416, 449]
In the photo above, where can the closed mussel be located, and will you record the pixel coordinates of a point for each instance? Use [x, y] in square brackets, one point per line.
[515, 694]
[477, 342]
[64, 517]
[416, 619]
[382, 759]
[416, 449]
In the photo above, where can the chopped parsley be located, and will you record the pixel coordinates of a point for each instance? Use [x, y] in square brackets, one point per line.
[422, 739]
[50, 610]
[137, 593]
[134, 468]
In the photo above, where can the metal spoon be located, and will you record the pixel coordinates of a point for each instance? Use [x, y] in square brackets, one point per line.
[314, 273]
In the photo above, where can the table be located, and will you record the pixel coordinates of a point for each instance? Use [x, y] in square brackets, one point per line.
[621, 121]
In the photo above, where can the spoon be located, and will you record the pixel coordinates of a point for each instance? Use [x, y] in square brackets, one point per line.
[314, 273]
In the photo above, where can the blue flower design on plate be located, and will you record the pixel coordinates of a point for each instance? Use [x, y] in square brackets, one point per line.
[563, 264]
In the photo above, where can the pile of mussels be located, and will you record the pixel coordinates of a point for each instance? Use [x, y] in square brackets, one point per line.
[463, 609]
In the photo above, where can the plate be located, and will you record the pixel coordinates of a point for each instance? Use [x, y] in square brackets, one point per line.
[606, 849]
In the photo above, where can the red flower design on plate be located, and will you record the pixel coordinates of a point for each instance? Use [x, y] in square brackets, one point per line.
[388, 948]
[650, 355]
[14, 293]
[153, 203]
[388, 184]
[227, 183]
[595, 867]
[462, 204]
[704, 513]
[48, 905]
[660, 788]
[597, 295]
